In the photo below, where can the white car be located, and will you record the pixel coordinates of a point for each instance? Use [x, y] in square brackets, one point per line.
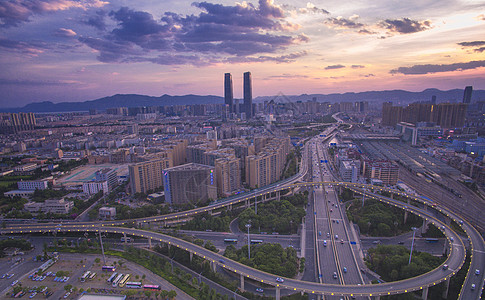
[259, 290]
[279, 279]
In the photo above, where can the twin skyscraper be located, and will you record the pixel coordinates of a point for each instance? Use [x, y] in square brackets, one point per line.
[247, 107]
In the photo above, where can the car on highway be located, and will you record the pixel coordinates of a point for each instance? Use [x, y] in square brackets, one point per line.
[473, 286]
[279, 279]
[345, 270]
[14, 283]
[477, 272]
[445, 267]
[336, 236]
[259, 290]
[401, 243]
[67, 295]
[10, 275]
[222, 261]
[334, 275]
[324, 243]
[341, 241]
[336, 221]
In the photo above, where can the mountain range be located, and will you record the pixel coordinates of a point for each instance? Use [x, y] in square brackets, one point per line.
[133, 100]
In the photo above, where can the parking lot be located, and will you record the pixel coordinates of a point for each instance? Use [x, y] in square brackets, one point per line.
[62, 280]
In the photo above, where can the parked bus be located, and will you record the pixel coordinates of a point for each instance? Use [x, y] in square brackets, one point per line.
[151, 287]
[124, 280]
[108, 268]
[117, 279]
[112, 277]
[93, 274]
[230, 241]
[85, 276]
[256, 241]
[133, 285]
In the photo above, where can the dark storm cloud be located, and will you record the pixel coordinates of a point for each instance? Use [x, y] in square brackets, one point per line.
[481, 49]
[110, 51]
[472, 44]
[96, 20]
[15, 12]
[405, 25]
[333, 67]
[240, 30]
[343, 23]
[425, 69]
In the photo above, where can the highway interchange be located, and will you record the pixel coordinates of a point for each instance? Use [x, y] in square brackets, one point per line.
[330, 259]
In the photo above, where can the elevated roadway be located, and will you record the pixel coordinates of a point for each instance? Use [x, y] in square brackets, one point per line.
[454, 260]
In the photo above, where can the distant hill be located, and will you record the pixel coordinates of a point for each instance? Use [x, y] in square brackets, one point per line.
[132, 100]
[396, 96]
[128, 100]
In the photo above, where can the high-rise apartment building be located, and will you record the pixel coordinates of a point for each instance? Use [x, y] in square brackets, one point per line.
[467, 94]
[228, 92]
[228, 175]
[446, 115]
[387, 171]
[109, 175]
[13, 122]
[267, 166]
[248, 95]
[146, 176]
[190, 184]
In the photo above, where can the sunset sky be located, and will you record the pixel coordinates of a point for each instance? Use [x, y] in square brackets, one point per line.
[76, 50]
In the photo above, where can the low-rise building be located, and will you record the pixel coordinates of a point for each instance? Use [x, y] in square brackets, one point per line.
[19, 193]
[33, 185]
[94, 187]
[107, 213]
[55, 206]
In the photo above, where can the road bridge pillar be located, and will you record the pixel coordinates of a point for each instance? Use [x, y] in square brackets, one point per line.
[392, 195]
[406, 212]
[278, 293]
[278, 195]
[425, 294]
[124, 238]
[191, 256]
[213, 266]
[447, 287]
[246, 204]
[241, 278]
[150, 243]
[377, 298]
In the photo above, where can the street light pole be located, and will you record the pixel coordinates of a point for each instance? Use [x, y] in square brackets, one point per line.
[412, 245]
[249, 244]
[102, 248]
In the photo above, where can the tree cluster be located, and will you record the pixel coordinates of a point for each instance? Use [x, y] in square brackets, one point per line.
[391, 262]
[206, 221]
[379, 219]
[282, 216]
[271, 258]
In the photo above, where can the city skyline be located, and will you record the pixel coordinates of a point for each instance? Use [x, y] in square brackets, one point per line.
[66, 50]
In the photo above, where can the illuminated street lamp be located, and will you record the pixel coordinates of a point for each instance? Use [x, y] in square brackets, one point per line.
[412, 245]
[249, 244]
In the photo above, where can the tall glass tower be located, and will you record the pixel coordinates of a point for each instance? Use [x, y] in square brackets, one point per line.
[248, 95]
[228, 92]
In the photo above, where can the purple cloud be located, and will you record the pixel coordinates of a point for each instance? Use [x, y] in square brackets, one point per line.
[64, 32]
[15, 12]
[340, 22]
[333, 67]
[405, 25]
[425, 69]
[239, 30]
[357, 66]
